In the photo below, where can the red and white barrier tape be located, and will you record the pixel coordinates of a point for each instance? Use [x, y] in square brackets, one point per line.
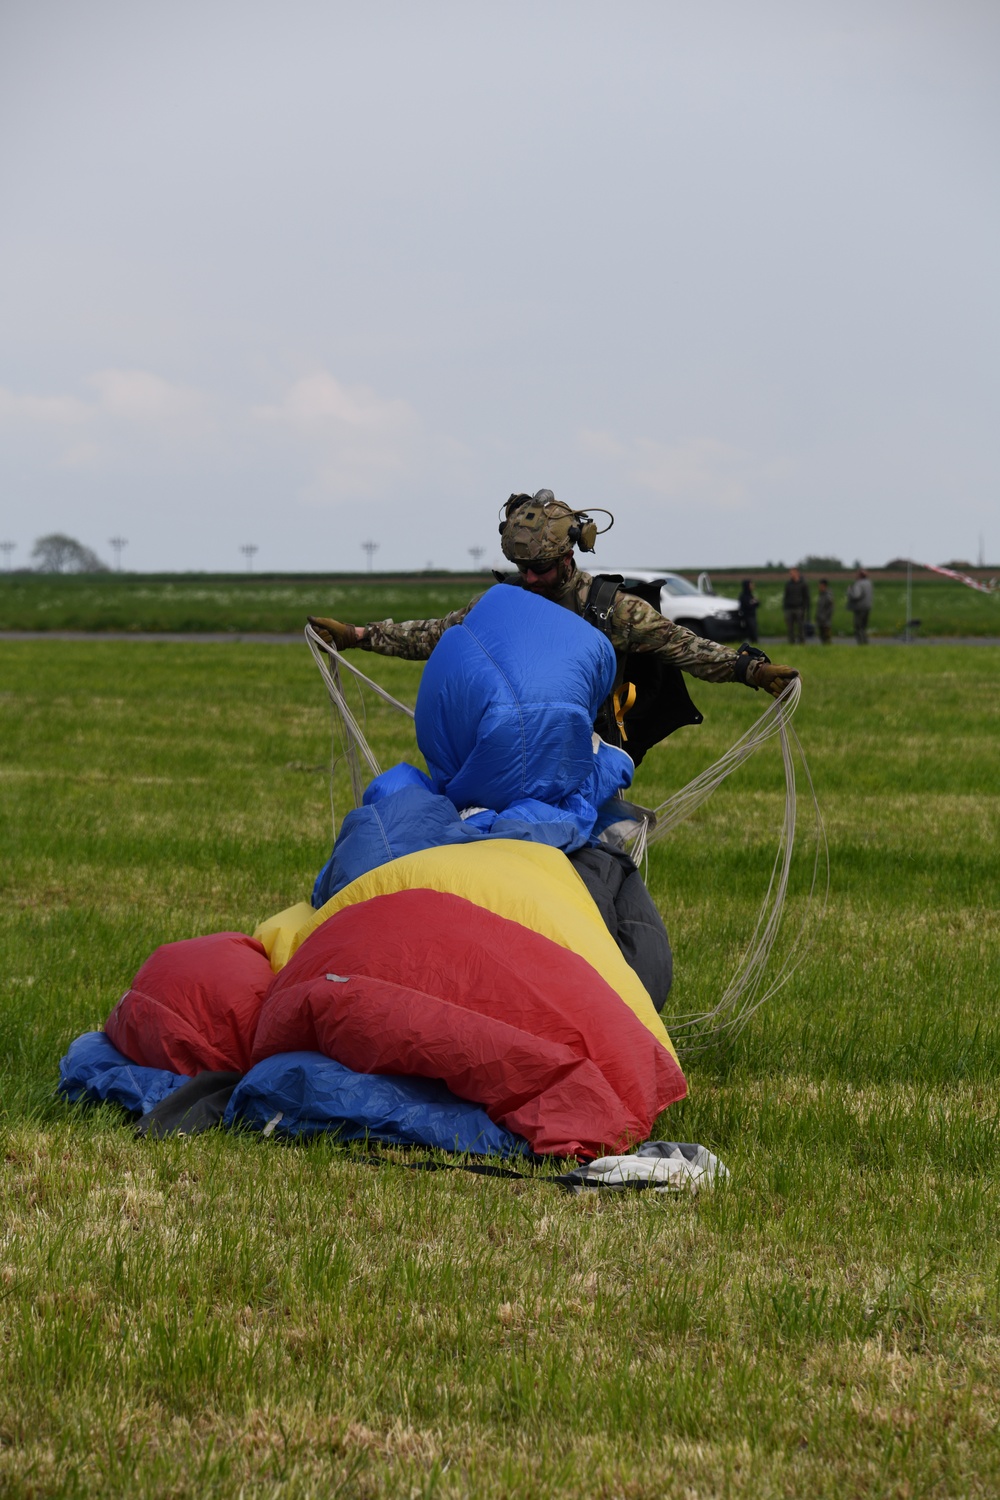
[972, 583]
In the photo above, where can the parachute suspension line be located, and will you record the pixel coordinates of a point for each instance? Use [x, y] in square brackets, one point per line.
[639, 848]
[746, 992]
[355, 749]
[772, 722]
[321, 650]
[768, 921]
[333, 766]
[750, 995]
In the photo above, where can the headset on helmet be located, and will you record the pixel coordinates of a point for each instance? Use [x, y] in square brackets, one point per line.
[581, 532]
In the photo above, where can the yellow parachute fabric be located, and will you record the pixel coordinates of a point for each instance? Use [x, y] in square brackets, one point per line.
[528, 883]
[280, 933]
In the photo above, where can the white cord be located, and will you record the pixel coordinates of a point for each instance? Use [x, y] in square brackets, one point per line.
[321, 649]
[354, 744]
[745, 992]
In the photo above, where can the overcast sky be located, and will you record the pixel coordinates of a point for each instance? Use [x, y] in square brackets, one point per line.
[306, 273]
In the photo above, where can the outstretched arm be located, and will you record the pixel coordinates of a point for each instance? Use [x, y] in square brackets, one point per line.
[413, 640]
[639, 627]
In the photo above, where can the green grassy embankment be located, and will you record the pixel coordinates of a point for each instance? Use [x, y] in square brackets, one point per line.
[236, 603]
[249, 603]
[228, 1316]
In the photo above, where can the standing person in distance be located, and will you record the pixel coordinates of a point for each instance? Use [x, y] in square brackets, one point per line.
[749, 604]
[860, 595]
[824, 612]
[795, 603]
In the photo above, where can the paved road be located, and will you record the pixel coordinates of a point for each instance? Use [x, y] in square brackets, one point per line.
[210, 638]
[295, 638]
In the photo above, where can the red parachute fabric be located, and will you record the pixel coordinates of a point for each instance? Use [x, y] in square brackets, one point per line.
[193, 1006]
[426, 983]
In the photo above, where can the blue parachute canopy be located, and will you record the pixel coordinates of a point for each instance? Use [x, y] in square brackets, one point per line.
[300, 1094]
[504, 720]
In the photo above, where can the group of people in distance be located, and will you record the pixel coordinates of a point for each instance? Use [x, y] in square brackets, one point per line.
[797, 606]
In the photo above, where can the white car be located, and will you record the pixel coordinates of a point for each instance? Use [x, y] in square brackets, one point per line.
[697, 609]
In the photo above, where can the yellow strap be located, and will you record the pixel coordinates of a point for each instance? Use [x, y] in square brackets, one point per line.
[624, 697]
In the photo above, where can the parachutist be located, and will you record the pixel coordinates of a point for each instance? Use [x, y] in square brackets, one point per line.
[649, 699]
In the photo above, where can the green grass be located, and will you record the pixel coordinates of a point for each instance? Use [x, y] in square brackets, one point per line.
[227, 1316]
[242, 603]
[233, 603]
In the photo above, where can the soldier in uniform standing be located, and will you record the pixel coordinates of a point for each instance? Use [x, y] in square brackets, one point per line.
[650, 700]
[795, 603]
[824, 612]
[859, 602]
[749, 605]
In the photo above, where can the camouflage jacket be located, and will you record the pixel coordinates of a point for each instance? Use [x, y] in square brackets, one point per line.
[635, 626]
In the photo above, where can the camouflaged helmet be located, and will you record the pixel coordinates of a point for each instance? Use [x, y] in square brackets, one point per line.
[540, 529]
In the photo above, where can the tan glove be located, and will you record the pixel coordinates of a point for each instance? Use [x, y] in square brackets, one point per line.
[769, 676]
[335, 632]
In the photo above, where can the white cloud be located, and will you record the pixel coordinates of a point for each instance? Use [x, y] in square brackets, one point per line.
[42, 411]
[129, 396]
[601, 444]
[705, 471]
[85, 455]
[342, 440]
[357, 439]
[710, 472]
[130, 411]
[319, 403]
[137, 396]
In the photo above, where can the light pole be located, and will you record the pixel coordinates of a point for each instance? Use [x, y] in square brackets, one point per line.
[909, 600]
[476, 553]
[249, 552]
[370, 549]
[118, 543]
[7, 548]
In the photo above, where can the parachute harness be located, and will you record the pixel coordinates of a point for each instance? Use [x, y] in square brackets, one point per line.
[749, 988]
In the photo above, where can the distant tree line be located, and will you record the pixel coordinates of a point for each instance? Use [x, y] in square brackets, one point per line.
[57, 553]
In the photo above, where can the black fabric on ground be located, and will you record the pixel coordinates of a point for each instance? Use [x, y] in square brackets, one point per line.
[688, 1149]
[630, 916]
[194, 1107]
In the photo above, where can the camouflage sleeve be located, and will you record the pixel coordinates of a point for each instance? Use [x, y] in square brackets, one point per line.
[412, 639]
[637, 626]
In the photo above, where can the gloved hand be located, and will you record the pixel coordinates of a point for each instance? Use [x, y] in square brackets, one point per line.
[769, 676]
[335, 632]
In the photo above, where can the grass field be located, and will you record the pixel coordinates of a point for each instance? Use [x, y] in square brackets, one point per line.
[227, 1316]
[116, 602]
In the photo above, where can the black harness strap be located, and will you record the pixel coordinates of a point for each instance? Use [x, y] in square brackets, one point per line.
[600, 606]
[662, 702]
